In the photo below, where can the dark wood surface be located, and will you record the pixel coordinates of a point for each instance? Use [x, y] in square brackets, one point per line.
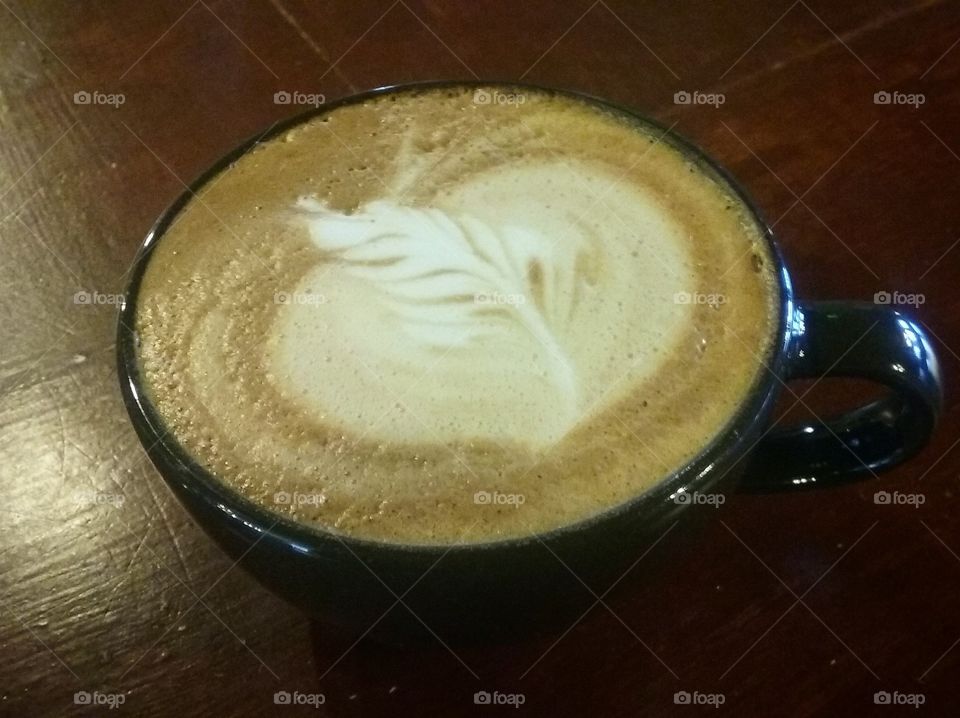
[787, 605]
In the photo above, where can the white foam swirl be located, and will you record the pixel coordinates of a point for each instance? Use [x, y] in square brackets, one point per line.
[487, 316]
[452, 281]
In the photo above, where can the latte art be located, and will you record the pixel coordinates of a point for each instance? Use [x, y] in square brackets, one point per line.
[421, 272]
[406, 285]
[416, 300]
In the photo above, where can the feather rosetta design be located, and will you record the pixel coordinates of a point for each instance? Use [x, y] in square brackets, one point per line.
[456, 281]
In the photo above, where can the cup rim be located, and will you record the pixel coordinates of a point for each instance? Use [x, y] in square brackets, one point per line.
[234, 506]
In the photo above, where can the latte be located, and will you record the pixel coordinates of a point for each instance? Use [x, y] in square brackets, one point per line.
[422, 318]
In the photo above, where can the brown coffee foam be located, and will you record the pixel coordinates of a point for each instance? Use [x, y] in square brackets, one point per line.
[230, 251]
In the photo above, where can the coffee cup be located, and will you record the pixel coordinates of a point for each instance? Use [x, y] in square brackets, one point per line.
[566, 482]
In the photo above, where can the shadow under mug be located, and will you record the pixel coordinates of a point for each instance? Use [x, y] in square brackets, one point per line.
[465, 591]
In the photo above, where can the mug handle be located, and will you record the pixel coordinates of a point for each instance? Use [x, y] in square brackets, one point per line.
[852, 339]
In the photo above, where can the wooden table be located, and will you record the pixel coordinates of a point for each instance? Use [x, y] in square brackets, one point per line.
[803, 604]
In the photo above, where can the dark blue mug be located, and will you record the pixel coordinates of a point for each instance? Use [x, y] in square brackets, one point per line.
[459, 590]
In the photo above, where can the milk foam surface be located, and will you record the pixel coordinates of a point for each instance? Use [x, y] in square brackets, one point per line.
[397, 307]
[509, 290]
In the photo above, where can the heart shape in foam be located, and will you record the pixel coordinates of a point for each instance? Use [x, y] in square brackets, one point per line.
[513, 307]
